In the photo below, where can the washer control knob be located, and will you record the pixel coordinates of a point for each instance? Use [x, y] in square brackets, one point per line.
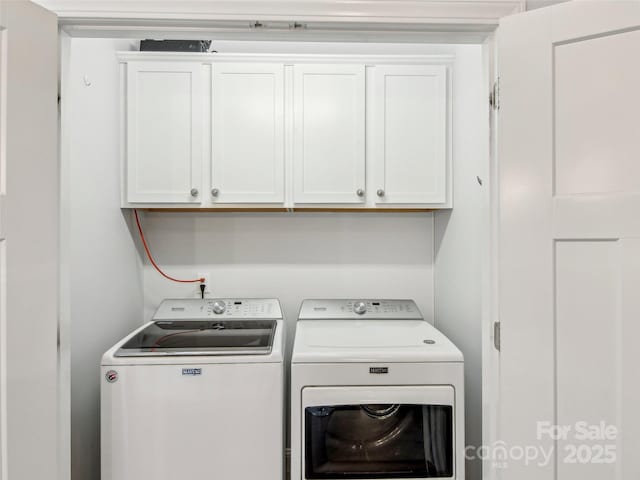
[219, 307]
[360, 308]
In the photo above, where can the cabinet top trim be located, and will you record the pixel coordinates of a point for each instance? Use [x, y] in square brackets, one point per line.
[287, 59]
[465, 12]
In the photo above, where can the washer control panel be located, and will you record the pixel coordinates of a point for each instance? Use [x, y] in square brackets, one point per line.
[219, 308]
[359, 308]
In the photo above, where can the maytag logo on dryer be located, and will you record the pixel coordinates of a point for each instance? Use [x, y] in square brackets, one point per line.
[192, 371]
[378, 370]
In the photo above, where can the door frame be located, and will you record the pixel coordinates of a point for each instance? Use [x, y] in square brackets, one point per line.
[430, 23]
[29, 242]
[462, 18]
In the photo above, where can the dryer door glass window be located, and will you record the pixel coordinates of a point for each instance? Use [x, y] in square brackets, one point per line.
[378, 441]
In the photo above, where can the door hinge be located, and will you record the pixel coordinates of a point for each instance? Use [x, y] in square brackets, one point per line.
[494, 95]
[496, 335]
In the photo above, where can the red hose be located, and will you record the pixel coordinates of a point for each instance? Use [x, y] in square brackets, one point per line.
[146, 249]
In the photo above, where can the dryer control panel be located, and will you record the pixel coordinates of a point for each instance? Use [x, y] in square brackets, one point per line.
[218, 308]
[362, 308]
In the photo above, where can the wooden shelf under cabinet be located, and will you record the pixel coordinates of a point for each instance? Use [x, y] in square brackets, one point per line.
[291, 210]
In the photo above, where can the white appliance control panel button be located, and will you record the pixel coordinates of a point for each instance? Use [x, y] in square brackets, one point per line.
[360, 308]
[219, 307]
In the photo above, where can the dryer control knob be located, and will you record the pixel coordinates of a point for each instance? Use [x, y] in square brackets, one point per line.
[219, 307]
[360, 308]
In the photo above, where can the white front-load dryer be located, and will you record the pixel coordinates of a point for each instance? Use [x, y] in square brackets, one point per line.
[196, 394]
[376, 393]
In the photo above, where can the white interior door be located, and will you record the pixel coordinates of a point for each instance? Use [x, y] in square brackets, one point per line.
[164, 132]
[29, 219]
[248, 133]
[569, 233]
[329, 129]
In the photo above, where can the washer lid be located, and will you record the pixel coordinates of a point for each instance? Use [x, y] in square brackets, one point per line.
[335, 341]
[197, 337]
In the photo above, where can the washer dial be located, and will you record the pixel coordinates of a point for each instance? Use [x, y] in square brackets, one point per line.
[360, 308]
[219, 307]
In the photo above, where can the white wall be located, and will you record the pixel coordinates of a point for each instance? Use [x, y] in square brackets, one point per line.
[103, 269]
[293, 257]
[460, 236]
[289, 256]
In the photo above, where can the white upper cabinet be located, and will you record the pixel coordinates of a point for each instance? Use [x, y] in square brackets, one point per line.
[410, 131]
[285, 132]
[248, 133]
[329, 133]
[164, 132]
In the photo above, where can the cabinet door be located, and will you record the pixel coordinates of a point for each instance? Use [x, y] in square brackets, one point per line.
[164, 132]
[248, 133]
[410, 134]
[329, 121]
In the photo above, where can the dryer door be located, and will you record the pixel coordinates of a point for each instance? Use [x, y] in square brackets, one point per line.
[378, 432]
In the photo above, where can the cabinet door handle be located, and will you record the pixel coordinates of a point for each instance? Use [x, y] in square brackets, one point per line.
[194, 192]
[380, 193]
[214, 192]
[360, 192]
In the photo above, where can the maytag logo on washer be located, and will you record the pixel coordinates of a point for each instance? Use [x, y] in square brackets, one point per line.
[111, 376]
[378, 370]
[192, 371]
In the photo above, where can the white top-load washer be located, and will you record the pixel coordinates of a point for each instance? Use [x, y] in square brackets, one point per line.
[197, 393]
[376, 393]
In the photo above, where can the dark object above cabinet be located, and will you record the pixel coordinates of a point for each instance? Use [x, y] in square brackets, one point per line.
[198, 46]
